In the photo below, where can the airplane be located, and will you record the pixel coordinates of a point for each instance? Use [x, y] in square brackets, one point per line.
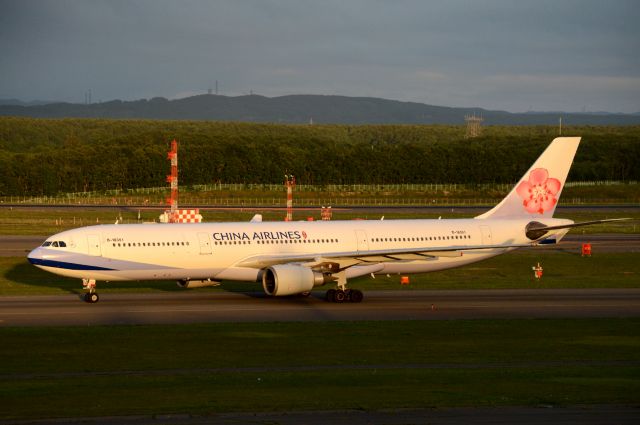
[295, 257]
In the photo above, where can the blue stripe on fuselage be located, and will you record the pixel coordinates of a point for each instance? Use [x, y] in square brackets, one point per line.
[64, 265]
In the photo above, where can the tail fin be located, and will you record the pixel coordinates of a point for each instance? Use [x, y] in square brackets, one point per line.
[537, 193]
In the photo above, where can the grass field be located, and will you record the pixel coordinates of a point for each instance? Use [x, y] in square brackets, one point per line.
[129, 370]
[513, 270]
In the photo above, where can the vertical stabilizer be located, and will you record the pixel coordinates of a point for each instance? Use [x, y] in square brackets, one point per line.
[538, 191]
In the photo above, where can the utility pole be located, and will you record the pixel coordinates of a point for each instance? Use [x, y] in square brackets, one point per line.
[560, 133]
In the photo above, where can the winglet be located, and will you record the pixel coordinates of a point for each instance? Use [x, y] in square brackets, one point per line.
[538, 191]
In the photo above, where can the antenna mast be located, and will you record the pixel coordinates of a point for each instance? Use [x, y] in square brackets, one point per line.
[289, 183]
[172, 179]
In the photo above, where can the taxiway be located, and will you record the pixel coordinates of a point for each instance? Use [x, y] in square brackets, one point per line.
[211, 307]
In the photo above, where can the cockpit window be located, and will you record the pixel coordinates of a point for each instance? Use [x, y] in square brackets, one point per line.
[57, 244]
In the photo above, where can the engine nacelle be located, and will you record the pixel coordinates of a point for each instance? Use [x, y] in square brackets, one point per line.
[188, 284]
[288, 279]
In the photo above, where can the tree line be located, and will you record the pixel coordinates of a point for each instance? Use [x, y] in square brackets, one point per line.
[48, 156]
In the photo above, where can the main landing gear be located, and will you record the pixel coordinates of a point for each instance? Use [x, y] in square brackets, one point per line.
[344, 295]
[91, 296]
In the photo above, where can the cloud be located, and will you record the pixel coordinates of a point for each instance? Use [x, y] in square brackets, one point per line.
[495, 53]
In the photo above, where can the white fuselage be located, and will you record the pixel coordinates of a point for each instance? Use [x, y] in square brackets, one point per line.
[215, 250]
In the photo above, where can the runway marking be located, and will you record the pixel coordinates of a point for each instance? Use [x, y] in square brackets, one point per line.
[314, 368]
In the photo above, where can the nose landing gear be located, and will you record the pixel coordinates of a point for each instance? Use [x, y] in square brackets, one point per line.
[91, 296]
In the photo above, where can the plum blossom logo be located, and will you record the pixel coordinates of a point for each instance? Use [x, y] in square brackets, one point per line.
[539, 193]
[304, 234]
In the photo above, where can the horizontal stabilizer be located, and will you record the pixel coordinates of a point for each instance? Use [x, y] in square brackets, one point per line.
[536, 230]
[584, 223]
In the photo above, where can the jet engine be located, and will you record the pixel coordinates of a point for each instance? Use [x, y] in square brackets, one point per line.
[184, 284]
[288, 279]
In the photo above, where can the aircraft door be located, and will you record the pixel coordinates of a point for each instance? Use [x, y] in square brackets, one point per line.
[205, 243]
[485, 231]
[362, 241]
[93, 242]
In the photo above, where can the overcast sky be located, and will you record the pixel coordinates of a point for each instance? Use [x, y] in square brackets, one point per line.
[509, 55]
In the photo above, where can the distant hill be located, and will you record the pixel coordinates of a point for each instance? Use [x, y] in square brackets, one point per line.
[303, 109]
[18, 102]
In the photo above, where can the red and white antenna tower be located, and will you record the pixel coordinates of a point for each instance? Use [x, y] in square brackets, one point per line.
[289, 182]
[172, 179]
[174, 215]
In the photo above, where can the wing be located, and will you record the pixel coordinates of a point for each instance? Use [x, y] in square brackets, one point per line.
[348, 259]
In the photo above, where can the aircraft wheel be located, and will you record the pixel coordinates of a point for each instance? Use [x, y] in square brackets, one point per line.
[347, 295]
[331, 295]
[91, 297]
[340, 296]
[356, 296]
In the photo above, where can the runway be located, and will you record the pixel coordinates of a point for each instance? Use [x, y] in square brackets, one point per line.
[212, 307]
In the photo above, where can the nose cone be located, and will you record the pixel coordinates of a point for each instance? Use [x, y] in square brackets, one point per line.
[35, 256]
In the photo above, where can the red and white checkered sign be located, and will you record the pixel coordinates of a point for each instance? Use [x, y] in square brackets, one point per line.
[187, 216]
